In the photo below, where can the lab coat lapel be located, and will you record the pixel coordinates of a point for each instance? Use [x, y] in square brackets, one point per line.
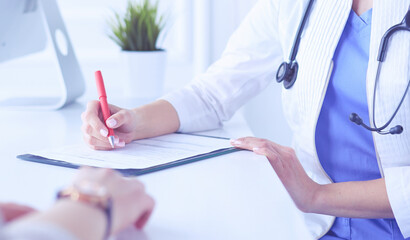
[318, 44]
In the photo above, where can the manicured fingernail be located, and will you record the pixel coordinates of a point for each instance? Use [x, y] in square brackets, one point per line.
[121, 144]
[104, 132]
[111, 123]
[116, 140]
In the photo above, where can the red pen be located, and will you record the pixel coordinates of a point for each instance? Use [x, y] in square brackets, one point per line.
[104, 105]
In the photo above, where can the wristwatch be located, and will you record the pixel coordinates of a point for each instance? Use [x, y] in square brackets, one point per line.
[90, 194]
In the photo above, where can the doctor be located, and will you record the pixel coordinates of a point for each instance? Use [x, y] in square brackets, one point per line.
[351, 183]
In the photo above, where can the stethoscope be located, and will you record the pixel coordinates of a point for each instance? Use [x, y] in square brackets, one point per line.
[288, 71]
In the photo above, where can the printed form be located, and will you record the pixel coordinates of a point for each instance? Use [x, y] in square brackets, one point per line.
[138, 154]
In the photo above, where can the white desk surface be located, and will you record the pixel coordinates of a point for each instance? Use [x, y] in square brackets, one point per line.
[236, 196]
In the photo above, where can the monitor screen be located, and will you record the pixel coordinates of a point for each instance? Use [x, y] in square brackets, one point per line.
[43, 72]
[22, 29]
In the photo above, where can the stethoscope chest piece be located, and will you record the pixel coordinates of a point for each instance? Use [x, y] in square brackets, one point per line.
[287, 73]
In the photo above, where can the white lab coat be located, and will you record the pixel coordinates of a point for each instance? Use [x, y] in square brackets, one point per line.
[33, 231]
[250, 62]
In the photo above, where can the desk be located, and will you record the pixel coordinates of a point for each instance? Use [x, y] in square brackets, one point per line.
[236, 196]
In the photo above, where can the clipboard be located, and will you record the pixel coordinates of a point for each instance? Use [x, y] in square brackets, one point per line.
[134, 172]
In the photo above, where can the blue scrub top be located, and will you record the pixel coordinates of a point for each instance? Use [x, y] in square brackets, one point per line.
[346, 151]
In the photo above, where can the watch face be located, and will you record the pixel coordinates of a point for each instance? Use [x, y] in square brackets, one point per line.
[89, 192]
[90, 188]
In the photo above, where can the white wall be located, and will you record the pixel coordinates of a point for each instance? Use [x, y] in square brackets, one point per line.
[197, 33]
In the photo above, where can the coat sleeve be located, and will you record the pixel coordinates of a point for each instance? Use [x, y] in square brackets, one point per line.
[247, 66]
[37, 231]
[398, 190]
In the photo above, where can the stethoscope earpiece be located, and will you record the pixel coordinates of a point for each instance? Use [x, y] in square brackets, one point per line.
[396, 130]
[356, 119]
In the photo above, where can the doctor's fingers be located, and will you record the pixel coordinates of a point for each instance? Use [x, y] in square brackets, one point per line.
[95, 143]
[93, 126]
[276, 160]
[96, 132]
[93, 123]
[122, 120]
[101, 134]
[250, 143]
[92, 115]
[98, 144]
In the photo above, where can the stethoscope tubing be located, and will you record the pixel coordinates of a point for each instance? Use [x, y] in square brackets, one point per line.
[380, 129]
[383, 49]
[296, 43]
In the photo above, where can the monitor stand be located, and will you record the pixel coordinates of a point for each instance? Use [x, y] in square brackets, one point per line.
[71, 78]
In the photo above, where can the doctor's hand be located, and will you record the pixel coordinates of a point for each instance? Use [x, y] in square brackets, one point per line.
[124, 122]
[299, 185]
[154, 119]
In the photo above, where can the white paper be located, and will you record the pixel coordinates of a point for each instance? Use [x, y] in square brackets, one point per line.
[138, 154]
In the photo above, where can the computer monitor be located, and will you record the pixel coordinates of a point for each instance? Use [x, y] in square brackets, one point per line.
[25, 26]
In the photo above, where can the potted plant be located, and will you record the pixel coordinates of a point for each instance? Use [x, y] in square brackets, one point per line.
[137, 32]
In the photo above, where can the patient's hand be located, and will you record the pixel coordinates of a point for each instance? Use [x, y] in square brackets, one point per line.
[131, 204]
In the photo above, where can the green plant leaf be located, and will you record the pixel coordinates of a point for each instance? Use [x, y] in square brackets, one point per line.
[139, 28]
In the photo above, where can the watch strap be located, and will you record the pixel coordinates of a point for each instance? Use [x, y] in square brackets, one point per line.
[105, 205]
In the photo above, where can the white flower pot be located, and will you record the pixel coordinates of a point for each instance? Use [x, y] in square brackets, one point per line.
[146, 73]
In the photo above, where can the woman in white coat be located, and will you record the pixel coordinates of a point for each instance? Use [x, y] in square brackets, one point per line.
[350, 183]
